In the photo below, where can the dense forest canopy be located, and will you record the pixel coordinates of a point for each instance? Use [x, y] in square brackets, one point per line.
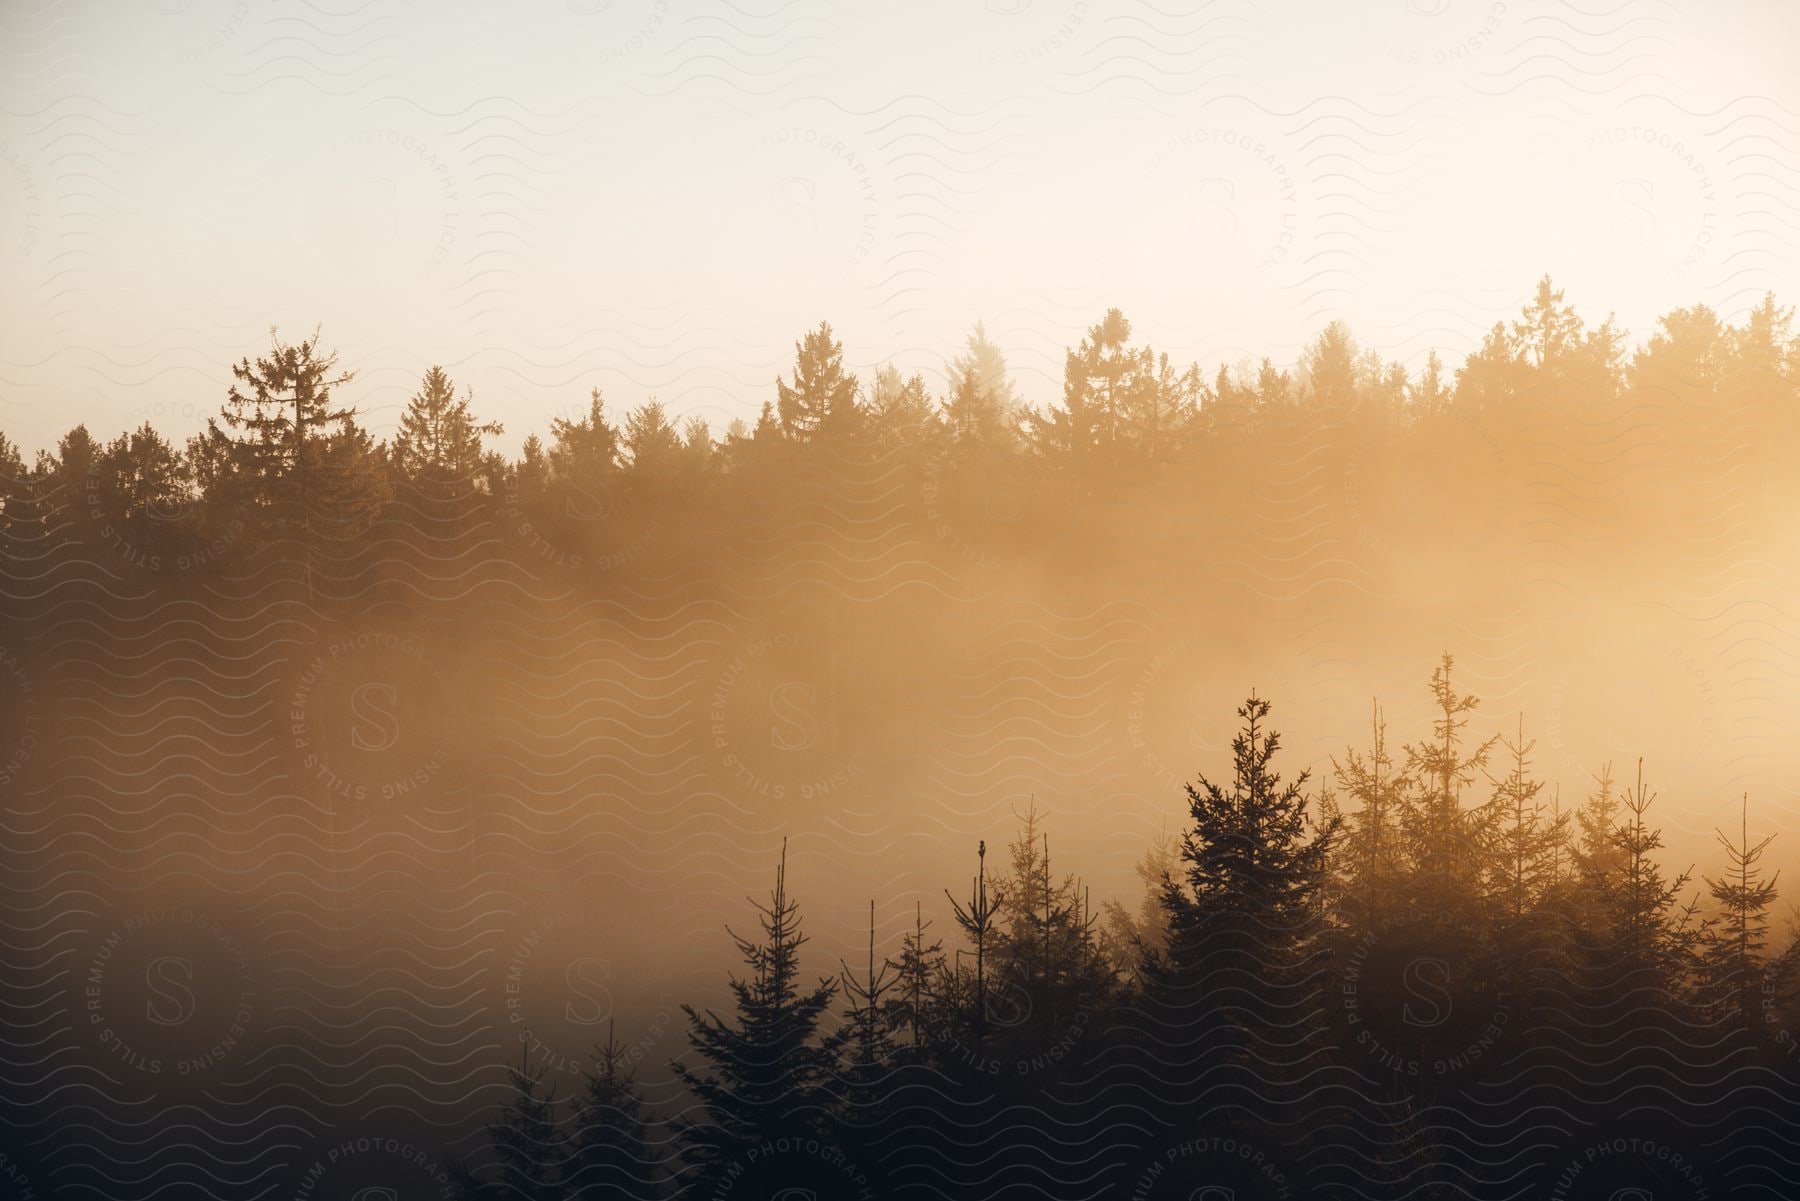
[450, 770]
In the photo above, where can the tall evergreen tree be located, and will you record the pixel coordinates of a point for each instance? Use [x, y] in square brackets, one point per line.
[1372, 856]
[1528, 839]
[299, 464]
[870, 1023]
[982, 409]
[438, 446]
[768, 1073]
[1733, 949]
[820, 404]
[1448, 845]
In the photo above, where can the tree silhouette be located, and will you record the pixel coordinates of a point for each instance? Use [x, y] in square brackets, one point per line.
[609, 1151]
[1733, 949]
[768, 1073]
[438, 446]
[821, 402]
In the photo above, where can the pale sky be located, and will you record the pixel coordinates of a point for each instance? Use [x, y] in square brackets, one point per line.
[657, 197]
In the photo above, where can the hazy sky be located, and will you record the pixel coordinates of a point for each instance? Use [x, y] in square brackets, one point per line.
[657, 197]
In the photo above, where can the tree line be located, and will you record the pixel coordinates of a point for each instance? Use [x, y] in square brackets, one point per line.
[1337, 983]
[289, 463]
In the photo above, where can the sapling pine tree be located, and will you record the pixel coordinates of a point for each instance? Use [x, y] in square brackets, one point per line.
[1733, 949]
[610, 1153]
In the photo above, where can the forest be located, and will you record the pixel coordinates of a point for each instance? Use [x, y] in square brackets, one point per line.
[1344, 991]
[389, 709]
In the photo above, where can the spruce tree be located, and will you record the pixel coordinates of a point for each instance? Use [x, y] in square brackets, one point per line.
[1447, 844]
[982, 410]
[528, 1144]
[1372, 857]
[820, 404]
[870, 1023]
[1241, 982]
[1733, 949]
[610, 1153]
[913, 1001]
[296, 464]
[438, 446]
[964, 990]
[1528, 839]
[767, 1073]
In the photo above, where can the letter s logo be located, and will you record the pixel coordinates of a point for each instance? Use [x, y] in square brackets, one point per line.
[1216, 199]
[377, 728]
[1634, 219]
[586, 978]
[376, 1192]
[1633, 1194]
[168, 978]
[793, 725]
[798, 193]
[1213, 1192]
[1434, 997]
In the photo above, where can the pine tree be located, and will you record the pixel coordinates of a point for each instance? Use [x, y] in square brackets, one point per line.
[1644, 935]
[870, 1025]
[141, 485]
[1253, 864]
[653, 446]
[1240, 983]
[1596, 852]
[820, 404]
[438, 447]
[982, 411]
[914, 1001]
[965, 992]
[899, 411]
[293, 460]
[1372, 854]
[283, 407]
[527, 1142]
[1429, 396]
[610, 1153]
[1131, 936]
[1050, 975]
[1329, 372]
[1447, 845]
[1528, 840]
[1733, 949]
[584, 453]
[768, 1073]
[1099, 376]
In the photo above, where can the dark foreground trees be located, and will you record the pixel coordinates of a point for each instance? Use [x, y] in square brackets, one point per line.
[1341, 988]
